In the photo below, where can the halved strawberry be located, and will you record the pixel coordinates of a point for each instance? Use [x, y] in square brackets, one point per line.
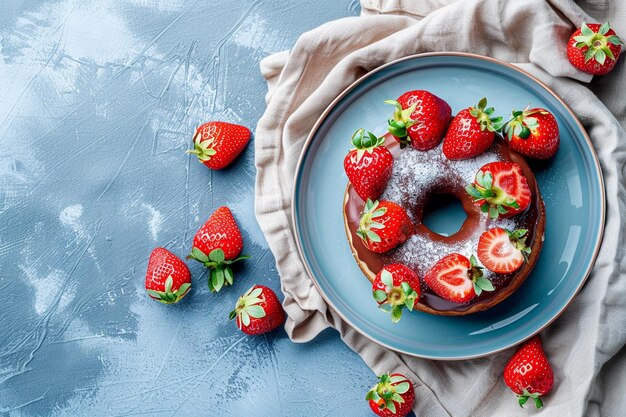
[369, 165]
[457, 279]
[383, 225]
[420, 118]
[500, 189]
[396, 286]
[503, 251]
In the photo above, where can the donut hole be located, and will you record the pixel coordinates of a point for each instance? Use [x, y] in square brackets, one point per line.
[444, 214]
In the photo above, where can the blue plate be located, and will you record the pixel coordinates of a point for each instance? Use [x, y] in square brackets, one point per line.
[571, 185]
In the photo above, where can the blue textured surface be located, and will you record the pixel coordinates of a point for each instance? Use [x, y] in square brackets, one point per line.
[98, 101]
[570, 184]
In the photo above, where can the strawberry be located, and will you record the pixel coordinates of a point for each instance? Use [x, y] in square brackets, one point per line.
[457, 279]
[217, 245]
[471, 132]
[500, 189]
[217, 144]
[393, 396]
[420, 118]
[528, 373]
[167, 278]
[383, 226]
[594, 49]
[502, 251]
[533, 132]
[396, 286]
[369, 165]
[258, 311]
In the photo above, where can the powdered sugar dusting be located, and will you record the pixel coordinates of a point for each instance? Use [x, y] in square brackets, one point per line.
[417, 175]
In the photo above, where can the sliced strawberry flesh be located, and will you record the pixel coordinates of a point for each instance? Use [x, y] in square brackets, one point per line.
[497, 253]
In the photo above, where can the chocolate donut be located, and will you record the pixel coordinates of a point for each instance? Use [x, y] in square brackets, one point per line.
[417, 177]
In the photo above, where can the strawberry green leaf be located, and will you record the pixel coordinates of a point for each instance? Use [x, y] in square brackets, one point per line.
[522, 400]
[402, 388]
[228, 274]
[585, 30]
[255, 311]
[390, 406]
[217, 255]
[396, 313]
[604, 28]
[373, 236]
[256, 292]
[386, 278]
[600, 56]
[615, 40]
[199, 255]
[484, 284]
[396, 378]
[379, 295]
[245, 318]
[183, 288]
[477, 289]
[154, 294]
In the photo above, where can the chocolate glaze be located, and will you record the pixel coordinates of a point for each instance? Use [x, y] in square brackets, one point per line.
[445, 178]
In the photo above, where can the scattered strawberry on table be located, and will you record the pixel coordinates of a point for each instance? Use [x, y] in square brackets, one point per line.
[217, 144]
[420, 118]
[393, 396]
[594, 48]
[383, 225]
[258, 311]
[500, 189]
[471, 132]
[457, 279]
[167, 278]
[395, 287]
[503, 251]
[528, 373]
[217, 245]
[533, 133]
[369, 165]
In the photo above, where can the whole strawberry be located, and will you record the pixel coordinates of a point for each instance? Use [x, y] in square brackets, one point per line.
[503, 251]
[217, 245]
[594, 48]
[420, 118]
[533, 132]
[369, 165]
[457, 279]
[471, 132]
[393, 396]
[217, 144]
[396, 286]
[383, 225]
[528, 373]
[167, 278]
[258, 311]
[500, 189]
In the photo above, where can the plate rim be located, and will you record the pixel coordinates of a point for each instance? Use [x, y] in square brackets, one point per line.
[356, 83]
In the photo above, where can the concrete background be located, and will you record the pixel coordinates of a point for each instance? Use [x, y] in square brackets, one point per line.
[98, 101]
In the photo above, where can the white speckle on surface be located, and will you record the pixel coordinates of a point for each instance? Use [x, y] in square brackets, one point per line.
[155, 220]
[160, 5]
[70, 217]
[48, 289]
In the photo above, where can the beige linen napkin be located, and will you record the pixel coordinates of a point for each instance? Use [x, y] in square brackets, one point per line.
[586, 344]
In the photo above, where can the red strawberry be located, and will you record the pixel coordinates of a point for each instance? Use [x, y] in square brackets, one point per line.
[421, 119]
[594, 49]
[533, 132]
[502, 251]
[369, 165]
[471, 132]
[396, 286]
[217, 245]
[528, 373]
[258, 311]
[383, 226]
[457, 279]
[393, 396]
[167, 278]
[500, 189]
[217, 144]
